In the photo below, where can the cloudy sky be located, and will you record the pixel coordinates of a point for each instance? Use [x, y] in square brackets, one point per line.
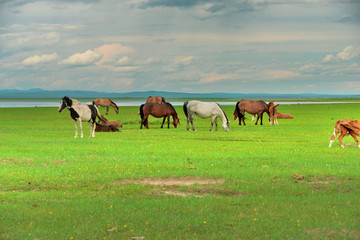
[239, 46]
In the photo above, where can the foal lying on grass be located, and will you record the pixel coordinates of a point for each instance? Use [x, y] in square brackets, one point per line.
[106, 128]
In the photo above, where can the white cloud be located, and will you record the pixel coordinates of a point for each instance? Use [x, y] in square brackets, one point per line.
[281, 74]
[213, 77]
[110, 51]
[123, 60]
[181, 60]
[85, 58]
[348, 53]
[34, 60]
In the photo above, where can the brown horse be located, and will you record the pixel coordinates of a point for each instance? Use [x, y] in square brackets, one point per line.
[252, 107]
[107, 122]
[277, 115]
[158, 111]
[273, 112]
[106, 102]
[156, 99]
[345, 127]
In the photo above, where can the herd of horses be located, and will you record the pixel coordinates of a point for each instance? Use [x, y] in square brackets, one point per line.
[159, 108]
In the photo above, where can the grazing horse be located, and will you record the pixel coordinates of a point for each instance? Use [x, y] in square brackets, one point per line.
[82, 113]
[345, 127]
[158, 110]
[205, 110]
[157, 99]
[252, 107]
[106, 102]
[275, 115]
[273, 112]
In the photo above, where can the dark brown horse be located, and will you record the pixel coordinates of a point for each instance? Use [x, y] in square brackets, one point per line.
[252, 107]
[106, 102]
[156, 99]
[164, 110]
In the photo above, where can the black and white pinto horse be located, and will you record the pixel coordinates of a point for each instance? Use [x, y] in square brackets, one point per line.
[205, 110]
[82, 113]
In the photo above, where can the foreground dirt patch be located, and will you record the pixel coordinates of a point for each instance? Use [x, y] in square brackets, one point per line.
[185, 187]
[184, 181]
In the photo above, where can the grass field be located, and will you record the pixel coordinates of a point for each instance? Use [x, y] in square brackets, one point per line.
[253, 182]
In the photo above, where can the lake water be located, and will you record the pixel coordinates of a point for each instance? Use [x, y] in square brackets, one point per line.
[29, 103]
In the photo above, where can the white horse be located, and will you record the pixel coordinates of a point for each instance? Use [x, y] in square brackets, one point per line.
[82, 113]
[205, 110]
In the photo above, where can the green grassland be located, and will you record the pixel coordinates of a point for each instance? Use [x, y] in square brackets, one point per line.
[253, 182]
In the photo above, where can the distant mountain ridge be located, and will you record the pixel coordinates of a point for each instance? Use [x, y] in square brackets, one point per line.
[41, 93]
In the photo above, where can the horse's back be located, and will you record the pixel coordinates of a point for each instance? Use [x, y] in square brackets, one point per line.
[203, 109]
[252, 106]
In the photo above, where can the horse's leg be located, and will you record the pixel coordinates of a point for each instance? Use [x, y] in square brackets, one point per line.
[146, 121]
[92, 134]
[355, 138]
[216, 128]
[261, 118]
[213, 120]
[76, 133]
[142, 122]
[192, 121]
[242, 117]
[188, 121]
[168, 117]
[333, 136]
[163, 122]
[107, 110]
[81, 131]
[342, 135]
[257, 119]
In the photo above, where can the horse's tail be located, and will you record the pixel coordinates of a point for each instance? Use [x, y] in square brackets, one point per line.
[99, 115]
[185, 108]
[237, 109]
[142, 114]
[142, 111]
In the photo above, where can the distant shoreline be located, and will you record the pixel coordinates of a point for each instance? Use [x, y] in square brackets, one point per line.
[28, 103]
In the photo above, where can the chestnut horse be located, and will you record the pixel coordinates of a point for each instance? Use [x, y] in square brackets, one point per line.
[273, 112]
[276, 115]
[107, 122]
[106, 102]
[164, 110]
[252, 107]
[345, 127]
[156, 99]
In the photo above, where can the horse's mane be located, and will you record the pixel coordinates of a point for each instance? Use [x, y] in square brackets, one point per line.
[227, 120]
[114, 104]
[169, 104]
[75, 101]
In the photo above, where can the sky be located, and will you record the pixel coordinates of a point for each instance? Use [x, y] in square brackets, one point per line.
[195, 46]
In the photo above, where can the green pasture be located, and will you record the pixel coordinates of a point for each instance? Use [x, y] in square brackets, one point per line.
[253, 182]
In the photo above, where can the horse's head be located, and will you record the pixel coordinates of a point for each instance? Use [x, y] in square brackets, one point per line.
[66, 102]
[176, 122]
[272, 112]
[226, 125]
[235, 115]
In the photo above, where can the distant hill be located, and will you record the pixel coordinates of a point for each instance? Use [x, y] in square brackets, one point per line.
[40, 93]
